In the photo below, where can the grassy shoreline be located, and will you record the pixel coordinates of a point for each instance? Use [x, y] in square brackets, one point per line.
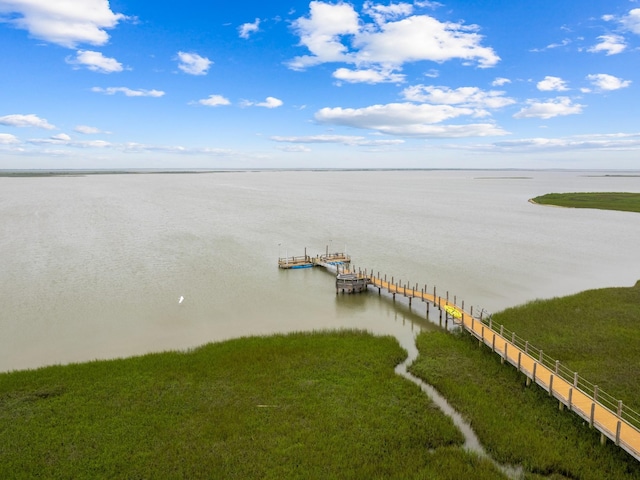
[328, 405]
[620, 201]
[308, 405]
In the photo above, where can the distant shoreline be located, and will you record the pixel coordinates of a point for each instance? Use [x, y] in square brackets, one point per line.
[21, 173]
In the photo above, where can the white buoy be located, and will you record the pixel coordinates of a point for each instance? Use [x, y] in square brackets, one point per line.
[181, 299]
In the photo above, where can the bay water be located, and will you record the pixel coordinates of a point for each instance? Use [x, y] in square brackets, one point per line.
[93, 267]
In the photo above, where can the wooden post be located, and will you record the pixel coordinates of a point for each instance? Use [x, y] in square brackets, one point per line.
[526, 347]
[535, 364]
[595, 393]
[551, 385]
[619, 409]
[506, 345]
[502, 330]
[519, 359]
[575, 379]
[557, 365]
[493, 342]
[570, 398]
[593, 411]
[618, 433]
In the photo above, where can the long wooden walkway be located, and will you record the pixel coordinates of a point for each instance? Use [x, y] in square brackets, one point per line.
[619, 424]
[609, 416]
[606, 414]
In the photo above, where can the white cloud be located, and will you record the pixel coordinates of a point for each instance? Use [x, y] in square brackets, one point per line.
[552, 84]
[500, 81]
[407, 119]
[95, 61]
[610, 44]
[65, 23]
[605, 142]
[30, 120]
[247, 29]
[551, 46]
[336, 33]
[605, 81]
[128, 92]
[552, 108]
[270, 102]
[631, 21]
[350, 140]
[464, 96]
[87, 130]
[320, 32]
[383, 13]
[63, 137]
[193, 64]
[8, 139]
[293, 148]
[370, 75]
[214, 101]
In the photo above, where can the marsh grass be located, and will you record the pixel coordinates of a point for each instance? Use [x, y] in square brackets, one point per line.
[316, 405]
[595, 333]
[517, 424]
[624, 201]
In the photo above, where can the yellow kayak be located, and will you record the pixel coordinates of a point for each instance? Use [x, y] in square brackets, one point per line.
[453, 311]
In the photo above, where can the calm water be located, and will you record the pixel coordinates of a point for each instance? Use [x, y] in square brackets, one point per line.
[93, 267]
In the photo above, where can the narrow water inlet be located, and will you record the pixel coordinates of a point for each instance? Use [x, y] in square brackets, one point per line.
[471, 441]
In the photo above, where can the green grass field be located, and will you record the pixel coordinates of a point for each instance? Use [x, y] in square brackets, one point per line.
[517, 424]
[320, 406]
[596, 333]
[624, 201]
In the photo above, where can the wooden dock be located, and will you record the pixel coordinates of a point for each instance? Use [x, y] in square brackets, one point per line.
[609, 416]
[307, 261]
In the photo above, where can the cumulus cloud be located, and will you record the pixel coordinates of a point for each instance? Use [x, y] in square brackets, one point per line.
[610, 44]
[293, 148]
[350, 140]
[500, 81]
[246, 29]
[549, 109]
[383, 13]
[465, 96]
[193, 64]
[631, 21]
[8, 139]
[30, 120]
[66, 23]
[607, 82]
[407, 119]
[128, 92]
[87, 130]
[337, 33]
[269, 102]
[95, 61]
[551, 84]
[214, 101]
[369, 75]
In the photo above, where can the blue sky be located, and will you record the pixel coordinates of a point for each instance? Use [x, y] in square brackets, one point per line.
[423, 84]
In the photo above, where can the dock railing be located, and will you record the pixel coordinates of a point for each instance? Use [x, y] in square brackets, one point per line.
[559, 370]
